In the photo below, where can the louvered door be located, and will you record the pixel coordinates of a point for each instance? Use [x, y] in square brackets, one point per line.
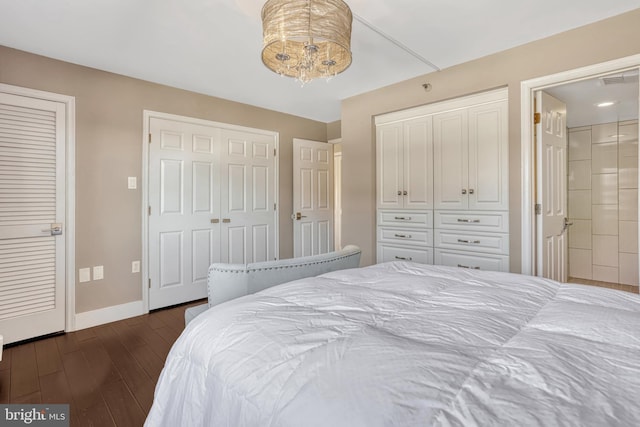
[32, 203]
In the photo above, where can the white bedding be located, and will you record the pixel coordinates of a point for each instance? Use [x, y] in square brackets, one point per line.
[402, 344]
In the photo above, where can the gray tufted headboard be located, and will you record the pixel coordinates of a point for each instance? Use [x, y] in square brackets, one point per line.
[229, 281]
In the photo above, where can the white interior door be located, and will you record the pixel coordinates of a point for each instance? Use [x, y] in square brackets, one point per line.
[32, 213]
[184, 220]
[312, 197]
[248, 199]
[551, 143]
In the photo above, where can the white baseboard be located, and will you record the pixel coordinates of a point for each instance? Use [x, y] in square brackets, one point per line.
[114, 313]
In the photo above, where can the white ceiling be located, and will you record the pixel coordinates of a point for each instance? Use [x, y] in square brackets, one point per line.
[582, 99]
[213, 46]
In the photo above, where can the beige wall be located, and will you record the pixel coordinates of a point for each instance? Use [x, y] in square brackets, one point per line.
[333, 130]
[109, 149]
[599, 42]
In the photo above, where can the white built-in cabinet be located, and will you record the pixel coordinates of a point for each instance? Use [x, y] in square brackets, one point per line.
[442, 183]
[405, 190]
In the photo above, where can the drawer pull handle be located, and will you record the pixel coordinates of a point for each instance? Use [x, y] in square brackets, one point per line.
[466, 266]
[404, 258]
[404, 218]
[469, 241]
[475, 221]
[404, 236]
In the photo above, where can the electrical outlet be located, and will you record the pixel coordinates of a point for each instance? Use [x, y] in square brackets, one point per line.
[132, 183]
[84, 275]
[135, 266]
[98, 272]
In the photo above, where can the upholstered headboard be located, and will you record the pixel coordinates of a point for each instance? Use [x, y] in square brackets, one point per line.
[229, 281]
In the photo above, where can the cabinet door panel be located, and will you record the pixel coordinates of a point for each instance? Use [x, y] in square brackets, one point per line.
[389, 159]
[450, 165]
[488, 157]
[418, 164]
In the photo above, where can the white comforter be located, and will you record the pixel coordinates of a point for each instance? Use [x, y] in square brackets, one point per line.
[402, 344]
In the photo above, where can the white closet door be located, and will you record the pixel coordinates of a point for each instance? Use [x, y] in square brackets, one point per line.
[488, 157]
[32, 203]
[247, 204]
[390, 169]
[418, 164]
[450, 160]
[184, 220]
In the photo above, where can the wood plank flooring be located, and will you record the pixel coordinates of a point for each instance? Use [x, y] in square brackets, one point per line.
[107, 373]
[616, 286]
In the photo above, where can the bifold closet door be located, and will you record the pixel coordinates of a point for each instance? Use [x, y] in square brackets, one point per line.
[184, 212]
[212, 199]
[248, 199]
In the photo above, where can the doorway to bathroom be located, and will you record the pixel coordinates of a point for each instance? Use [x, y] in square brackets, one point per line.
[590, 195]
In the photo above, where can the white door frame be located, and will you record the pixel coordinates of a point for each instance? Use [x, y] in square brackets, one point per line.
[527, 89]
[147, 115]
[70, 202]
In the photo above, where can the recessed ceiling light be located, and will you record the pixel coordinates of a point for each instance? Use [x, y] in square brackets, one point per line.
[606, 104]
[619, 135]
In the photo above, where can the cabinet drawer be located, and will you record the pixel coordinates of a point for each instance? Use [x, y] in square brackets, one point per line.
[471, 260]
[405, 219]
[397, 253]
[472, 220]
[493, 243]
[410, 236]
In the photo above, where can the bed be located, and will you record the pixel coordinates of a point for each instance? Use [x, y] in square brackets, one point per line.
[405, 344]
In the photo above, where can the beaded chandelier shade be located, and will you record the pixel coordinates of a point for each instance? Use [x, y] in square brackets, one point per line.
[306, 39]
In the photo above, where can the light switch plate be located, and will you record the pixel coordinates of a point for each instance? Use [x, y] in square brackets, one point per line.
[98, 272]
[132, 183]
[135, 266]
[84, 275]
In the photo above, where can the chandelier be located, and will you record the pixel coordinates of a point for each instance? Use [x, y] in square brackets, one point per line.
[306, 39]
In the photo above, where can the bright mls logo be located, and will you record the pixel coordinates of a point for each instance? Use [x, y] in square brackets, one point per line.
[34, 415]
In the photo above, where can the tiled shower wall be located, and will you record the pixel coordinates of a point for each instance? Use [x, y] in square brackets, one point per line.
[603, 202]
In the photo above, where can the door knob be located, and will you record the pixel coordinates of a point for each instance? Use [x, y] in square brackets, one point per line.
[464, 191]
[55, 229]
[471, 191]
[299, 216]
[565, 225]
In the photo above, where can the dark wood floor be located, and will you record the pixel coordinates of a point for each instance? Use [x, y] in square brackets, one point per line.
[107, 374]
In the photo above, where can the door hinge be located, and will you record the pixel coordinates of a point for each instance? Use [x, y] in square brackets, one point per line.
[149, 210]
[274, 151]
[538, 209]
[149, 138]
[149, 283]
[536, 118]
[274, 206]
